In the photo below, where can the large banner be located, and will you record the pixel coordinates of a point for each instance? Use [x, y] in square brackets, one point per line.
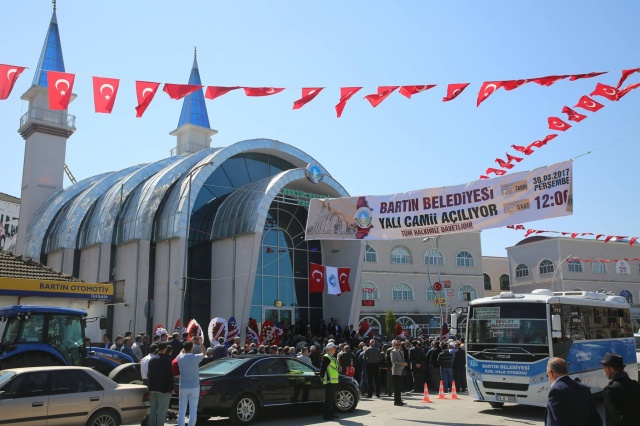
[542, 193]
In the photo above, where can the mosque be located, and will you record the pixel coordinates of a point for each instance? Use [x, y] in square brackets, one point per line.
[208, 232]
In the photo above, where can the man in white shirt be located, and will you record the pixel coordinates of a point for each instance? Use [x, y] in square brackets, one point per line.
[144, 363]
[189, 363]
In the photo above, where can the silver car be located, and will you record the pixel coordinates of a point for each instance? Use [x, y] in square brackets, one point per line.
[68, 396]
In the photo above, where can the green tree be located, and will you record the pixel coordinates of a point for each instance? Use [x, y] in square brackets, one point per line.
[390, 321]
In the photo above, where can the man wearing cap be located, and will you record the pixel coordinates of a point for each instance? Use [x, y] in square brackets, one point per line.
[570, 403]
[330, 378]
[621, 395]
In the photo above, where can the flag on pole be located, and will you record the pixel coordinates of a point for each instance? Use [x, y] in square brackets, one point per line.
[333, 284]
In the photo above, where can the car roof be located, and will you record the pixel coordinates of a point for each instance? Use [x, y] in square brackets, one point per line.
[48, 368]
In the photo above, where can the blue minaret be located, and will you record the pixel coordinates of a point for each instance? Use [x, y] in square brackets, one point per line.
[194, 132]
[45, 133]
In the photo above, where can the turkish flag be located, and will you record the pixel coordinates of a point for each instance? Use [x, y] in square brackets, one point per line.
[60, 87]
[343, 279]
[497, 172]
[573, 115]
[591, 74]
[513, 84]
[316, 278]
[179, 91]
[605, 91]
[526, 150]
[589, 104]
[504, 164]
[625, 75]
[511, 158]
[383, 92]
[487, 89]
[548, 80]
[345, 94]
[557, 124]
[409, 91]
[453, 90]
[8, 76]
[215, 91]
[262, 91]
[543, 142]
[104, 93]
[627, 89]
[145, 90]
[308, 94]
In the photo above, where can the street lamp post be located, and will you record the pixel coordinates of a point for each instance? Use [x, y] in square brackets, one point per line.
[186, 242]
[435, 240]
[559, 267]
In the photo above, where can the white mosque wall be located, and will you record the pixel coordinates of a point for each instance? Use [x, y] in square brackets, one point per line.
[61, 260]
[132, 266]
[168, 282]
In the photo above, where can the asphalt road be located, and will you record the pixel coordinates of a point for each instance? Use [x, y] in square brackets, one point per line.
[382, 412]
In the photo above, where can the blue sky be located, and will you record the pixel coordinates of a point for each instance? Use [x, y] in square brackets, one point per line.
[399, 146]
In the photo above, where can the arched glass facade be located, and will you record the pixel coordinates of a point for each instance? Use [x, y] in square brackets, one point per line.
[281, 289]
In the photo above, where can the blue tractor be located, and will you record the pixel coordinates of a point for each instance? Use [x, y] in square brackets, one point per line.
[45, 335]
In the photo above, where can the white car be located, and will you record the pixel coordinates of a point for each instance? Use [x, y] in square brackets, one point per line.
[68, 396]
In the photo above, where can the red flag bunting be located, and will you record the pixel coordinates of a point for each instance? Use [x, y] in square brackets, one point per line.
[179, 91]
[262, 91]
[8, 76]
[589, 104]
[145, 91]
[60, 87]
[454, 90]
[544, 141]
[487, 89]
[308, 94]
[105, 91]
[513, 84]
[345, 94]
[213, 92]
[573, 115]
[589, 75]
[627, 89]
[316, 278]
[526, 150]
[606, 92]
[383, 93]
[625, 75]
[511, 158]
[343, 279]
[409, 91]
[632, 241]
[504, 164]
[497, 172]
[549, 80]
[557, 124]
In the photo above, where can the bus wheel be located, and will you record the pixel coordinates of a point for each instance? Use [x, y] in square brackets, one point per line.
[494, 404]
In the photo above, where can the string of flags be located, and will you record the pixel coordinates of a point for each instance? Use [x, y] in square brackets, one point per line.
[611, 93]
[337, 279]
[105, 90]
[605, 238]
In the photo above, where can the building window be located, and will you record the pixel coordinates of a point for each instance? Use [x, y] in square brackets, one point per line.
[522, 271]
[546, 267]
[464, 258]
[574, 266]
[401, 255]
[370, 255]
[369, 291]
[466, 293]
[598, 267]
[431, 296]
[433, 257]
[402, 291]
[487, 282]
[504, 282]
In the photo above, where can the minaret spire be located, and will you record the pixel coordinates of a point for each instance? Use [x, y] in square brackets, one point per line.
[54, 5]
[51, 56]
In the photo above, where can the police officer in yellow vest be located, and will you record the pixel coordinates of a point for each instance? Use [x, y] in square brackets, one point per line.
[330, 377]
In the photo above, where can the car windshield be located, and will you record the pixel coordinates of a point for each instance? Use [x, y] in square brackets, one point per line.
[5, 376]
[222, 365]
[504, 324]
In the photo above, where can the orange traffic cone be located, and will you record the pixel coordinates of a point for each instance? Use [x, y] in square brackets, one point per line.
[441, 391]
[426, 394]
[454, 393]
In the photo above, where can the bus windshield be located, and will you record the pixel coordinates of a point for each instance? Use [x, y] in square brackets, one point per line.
[508, 324]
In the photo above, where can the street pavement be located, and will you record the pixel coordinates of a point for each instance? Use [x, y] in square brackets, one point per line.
[382, 412]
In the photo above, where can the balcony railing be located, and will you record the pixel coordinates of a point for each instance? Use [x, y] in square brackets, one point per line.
[61, 118]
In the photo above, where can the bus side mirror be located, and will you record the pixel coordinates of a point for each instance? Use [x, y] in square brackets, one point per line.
[103, 323]
[556, 327]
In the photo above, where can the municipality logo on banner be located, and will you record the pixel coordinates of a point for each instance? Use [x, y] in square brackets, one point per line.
[522, 197]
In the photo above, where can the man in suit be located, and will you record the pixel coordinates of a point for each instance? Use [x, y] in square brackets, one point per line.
[398, 364]
[570, 403]
[621, 395]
